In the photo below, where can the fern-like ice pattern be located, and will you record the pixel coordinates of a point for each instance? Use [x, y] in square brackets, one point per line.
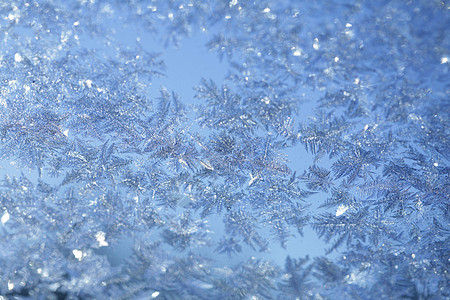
[333, 119]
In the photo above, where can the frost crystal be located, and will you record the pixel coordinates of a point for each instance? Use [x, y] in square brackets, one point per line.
[18, 57]
[100, 236]
[78, 254]
[341, 210]
[5, 217]
[304, 154]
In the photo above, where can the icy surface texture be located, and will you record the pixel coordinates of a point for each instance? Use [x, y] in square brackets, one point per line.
[108, 192]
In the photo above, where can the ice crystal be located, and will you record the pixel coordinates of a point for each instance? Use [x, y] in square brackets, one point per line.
[109, 191]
